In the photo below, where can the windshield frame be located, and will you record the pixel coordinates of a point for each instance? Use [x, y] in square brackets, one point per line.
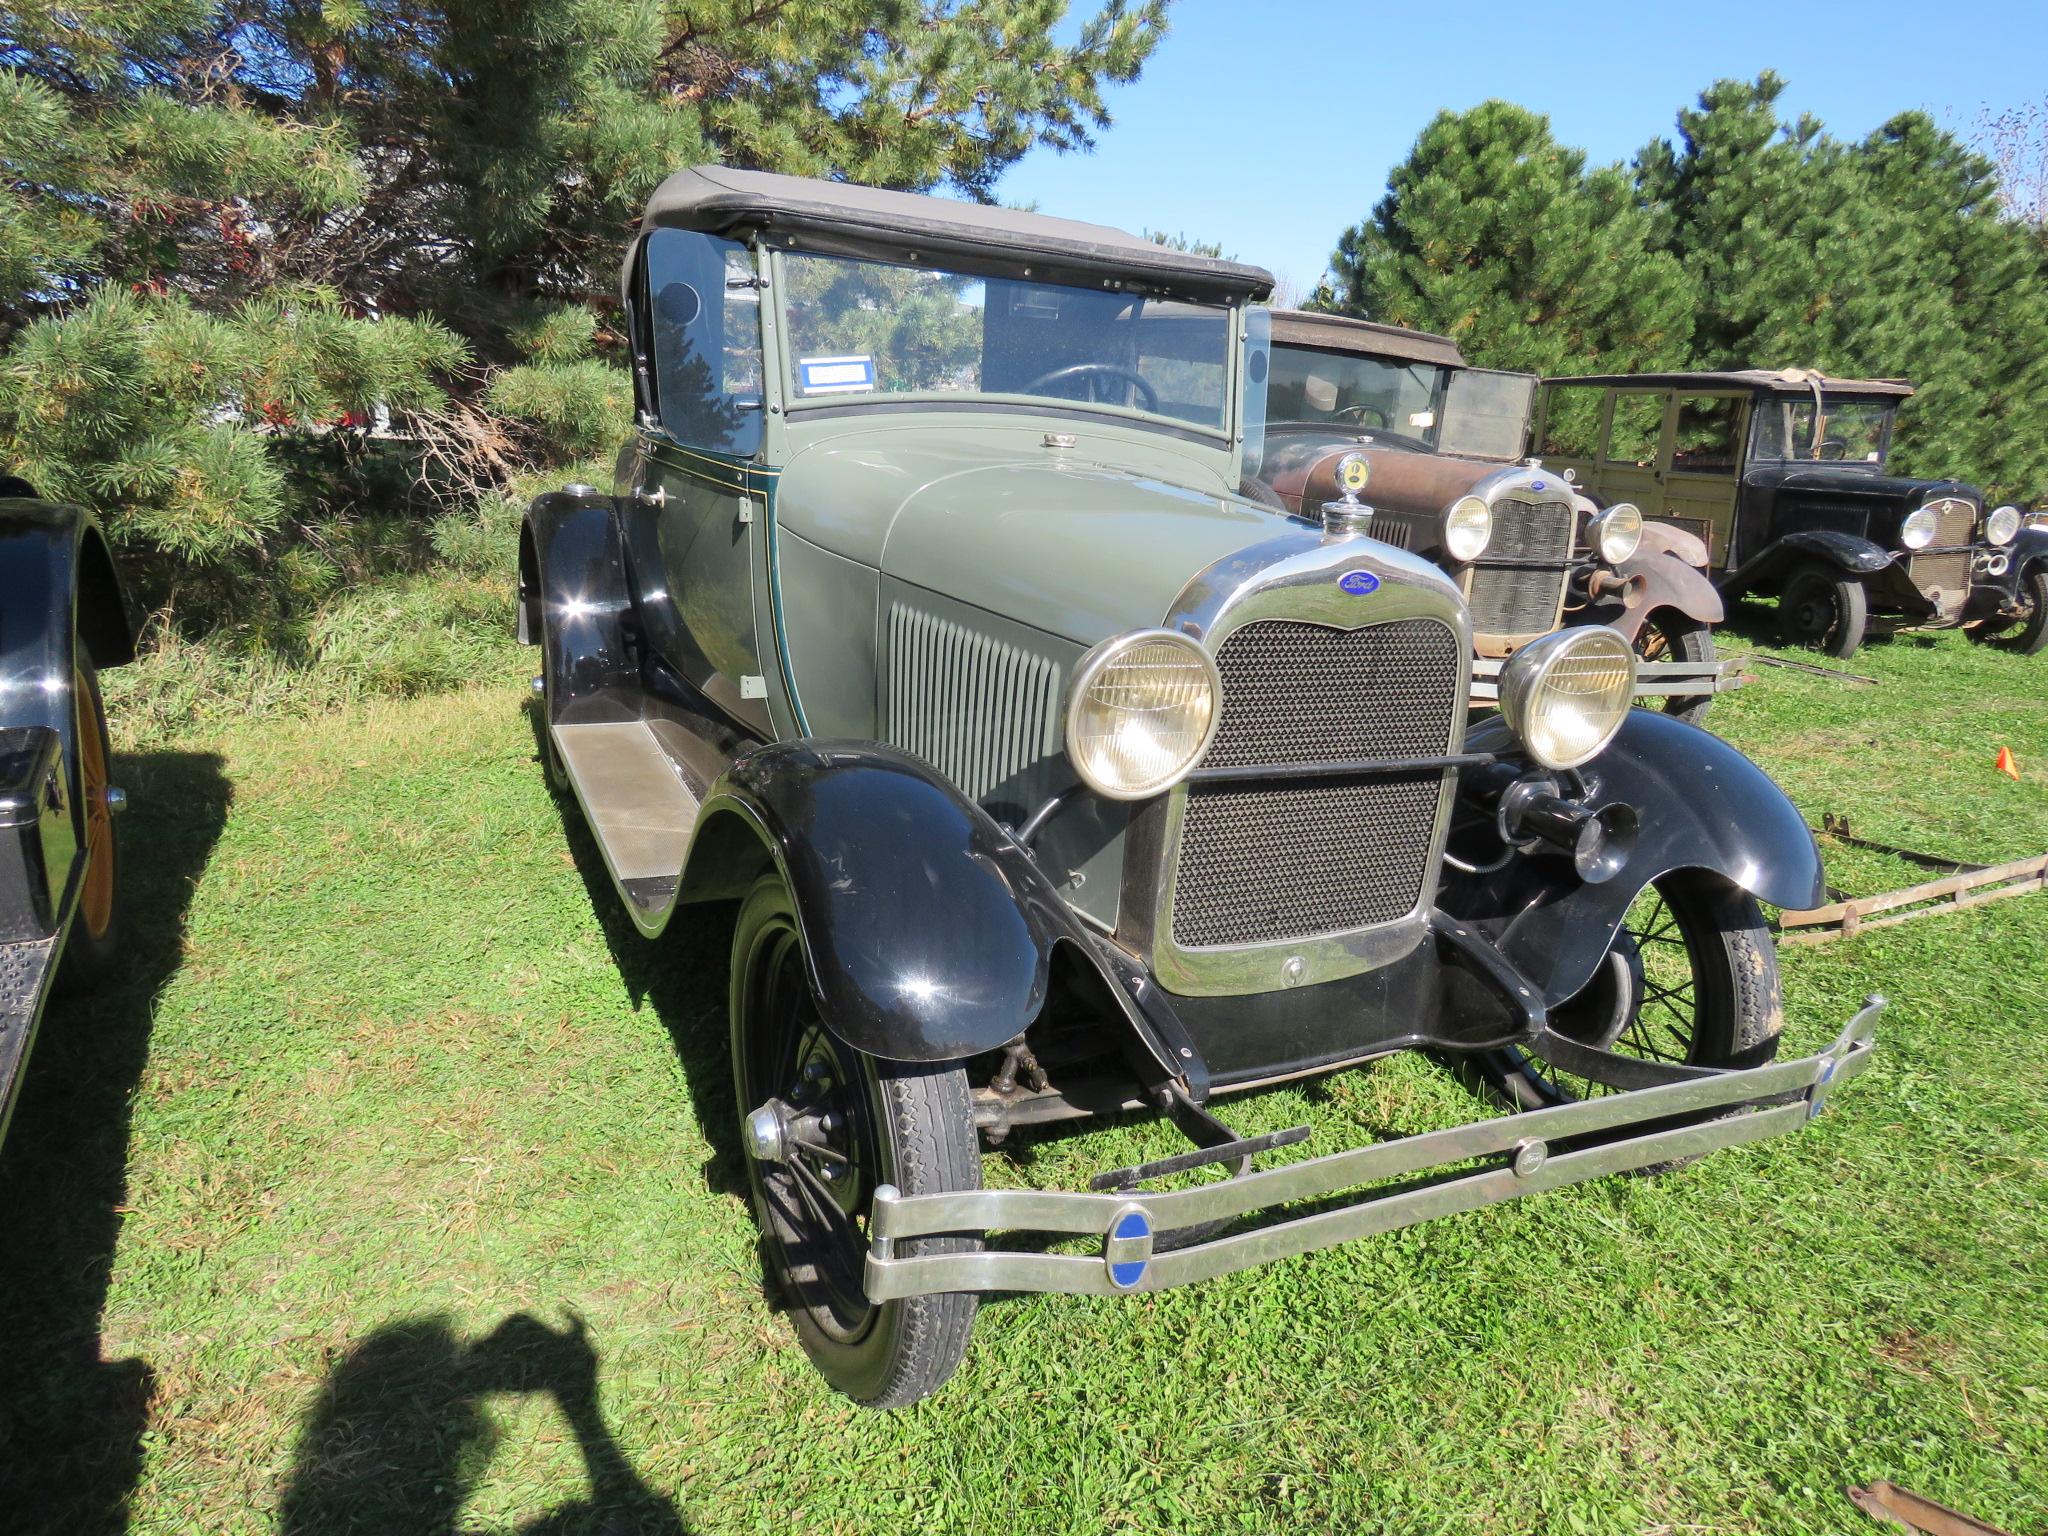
[1774, 403]
[1227, 436]
[1426, 437]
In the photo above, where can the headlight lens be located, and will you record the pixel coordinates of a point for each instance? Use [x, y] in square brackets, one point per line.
[1917, 531]
[2002, 526]
[1618, 532]
[1566, 695]
[1468, 529]
[1141, 711]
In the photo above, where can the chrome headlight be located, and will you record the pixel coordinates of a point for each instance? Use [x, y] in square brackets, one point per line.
[2002, 526]
[1566, 695]
[1468, 528]
[1141, 711]
[1618, 532]
[1917, 531]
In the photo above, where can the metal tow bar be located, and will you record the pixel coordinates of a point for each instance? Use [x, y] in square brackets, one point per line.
[1536, 1146]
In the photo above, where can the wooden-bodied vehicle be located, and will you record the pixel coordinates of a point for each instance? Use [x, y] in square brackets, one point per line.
[1443, 445]
[1781, 474]
[62, 620]
[924, 644]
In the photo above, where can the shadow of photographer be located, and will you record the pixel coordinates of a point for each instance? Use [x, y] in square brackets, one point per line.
[71, 1422]
[400, 1435]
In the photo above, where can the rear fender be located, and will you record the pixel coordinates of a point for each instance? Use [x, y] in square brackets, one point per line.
[58, 594]
[576, 602]
[928, 931]
[1703, 805]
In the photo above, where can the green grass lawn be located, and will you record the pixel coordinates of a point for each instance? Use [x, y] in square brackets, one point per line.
[391, 1187]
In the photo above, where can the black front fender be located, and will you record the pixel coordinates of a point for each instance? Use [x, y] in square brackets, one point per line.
[2028, 549]
[1703, 805]
[928, 930]
[1848, 553]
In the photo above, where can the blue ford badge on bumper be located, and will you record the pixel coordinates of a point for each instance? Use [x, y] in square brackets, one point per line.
[1359, 583]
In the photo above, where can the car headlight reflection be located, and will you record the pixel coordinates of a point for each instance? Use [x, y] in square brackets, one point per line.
[1468, 528]
[1565, 696]
[1141, 711]
[2002, 526]
[1618, 532]
[1917, 531]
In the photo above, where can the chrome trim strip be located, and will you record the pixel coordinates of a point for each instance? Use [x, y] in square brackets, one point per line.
[1526, 1138]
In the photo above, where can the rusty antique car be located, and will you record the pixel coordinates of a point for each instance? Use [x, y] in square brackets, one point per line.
[1443, 444]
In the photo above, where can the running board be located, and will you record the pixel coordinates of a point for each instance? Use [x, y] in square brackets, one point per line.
[25, 972]
[638, 807]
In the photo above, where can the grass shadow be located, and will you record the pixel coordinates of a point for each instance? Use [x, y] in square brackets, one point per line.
[399, 1435]
[71, 1422]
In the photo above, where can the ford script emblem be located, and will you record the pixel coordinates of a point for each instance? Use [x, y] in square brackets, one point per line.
[1536, 485]
[1359, 583]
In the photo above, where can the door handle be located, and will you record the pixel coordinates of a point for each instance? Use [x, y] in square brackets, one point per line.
[658, 497]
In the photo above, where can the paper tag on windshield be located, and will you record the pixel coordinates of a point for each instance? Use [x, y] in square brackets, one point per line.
[1422, 419]
[836, 375]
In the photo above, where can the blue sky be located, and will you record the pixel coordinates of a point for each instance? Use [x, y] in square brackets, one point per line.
[1271, 127]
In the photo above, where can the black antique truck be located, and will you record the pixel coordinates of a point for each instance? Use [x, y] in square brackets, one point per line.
[1781, 474]
[62, 619]
[1443, 446]
[924, 646]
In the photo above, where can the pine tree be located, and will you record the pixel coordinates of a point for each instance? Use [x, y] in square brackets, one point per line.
[1494, 234]
[223, 230]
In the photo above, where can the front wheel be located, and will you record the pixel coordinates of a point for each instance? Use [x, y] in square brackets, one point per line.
[1668, 635]
[845, 1122]
[1821, 609]
[2029, 635]
[1692, 978]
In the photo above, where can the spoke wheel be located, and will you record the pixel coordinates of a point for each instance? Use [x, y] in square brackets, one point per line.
[1692, 979]
[1822, 610]
[852, 1122]
[2028, 635]
[95, 930]
[1668, 635]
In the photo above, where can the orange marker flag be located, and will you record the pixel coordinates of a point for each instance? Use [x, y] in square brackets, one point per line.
[2006, 765]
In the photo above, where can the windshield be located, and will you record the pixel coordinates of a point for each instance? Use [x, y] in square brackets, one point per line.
[1851, 430]
[1352, 391]
[862, 329]
[1486, 414]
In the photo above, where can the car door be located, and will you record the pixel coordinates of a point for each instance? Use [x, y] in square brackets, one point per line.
[696, 485]
[1701, 466]
[1632, 438]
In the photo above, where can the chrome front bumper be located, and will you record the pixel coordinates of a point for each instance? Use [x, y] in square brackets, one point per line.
[1782, 1097]
[1654, 679]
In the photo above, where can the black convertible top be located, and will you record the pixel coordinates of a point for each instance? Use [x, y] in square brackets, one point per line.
[844, 219]
[1781, 381]
[1343, 333]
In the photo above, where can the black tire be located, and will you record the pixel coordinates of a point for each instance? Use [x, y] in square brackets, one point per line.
[1821, 609]
[1668, 635]
[1692, 977]
[551, 762]
[2029, 636]
[906, 1124]
[95, 935]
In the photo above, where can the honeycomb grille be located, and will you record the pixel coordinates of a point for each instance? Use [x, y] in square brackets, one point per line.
[1267, 863]
[1943, 580]
[1520, 590]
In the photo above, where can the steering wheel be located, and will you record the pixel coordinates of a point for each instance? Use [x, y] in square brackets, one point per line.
[1841, 449]
[1357, 413]
[1135, 383]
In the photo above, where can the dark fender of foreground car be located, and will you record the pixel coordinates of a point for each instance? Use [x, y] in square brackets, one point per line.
[62, 619]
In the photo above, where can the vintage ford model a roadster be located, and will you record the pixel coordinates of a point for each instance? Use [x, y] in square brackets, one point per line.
[1443, 445]
[1781, 473]
[1050, 777]
[61, 620]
